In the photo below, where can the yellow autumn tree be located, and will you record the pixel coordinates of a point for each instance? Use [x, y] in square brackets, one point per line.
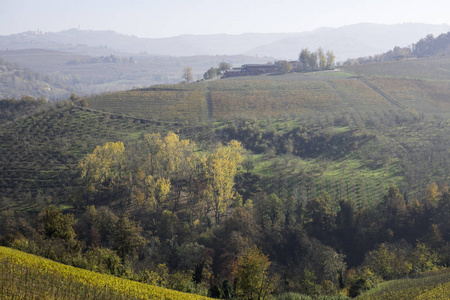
[220, 168]
[150, 192]
[432, 194]
[251, 272]
[167, 157]
[103, 167]
[167, 164]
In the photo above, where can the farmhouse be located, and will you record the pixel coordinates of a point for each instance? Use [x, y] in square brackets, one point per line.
[255, 69]
[235, 72]
[252, 69]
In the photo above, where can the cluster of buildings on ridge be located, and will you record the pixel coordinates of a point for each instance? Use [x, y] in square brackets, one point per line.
[258, 69]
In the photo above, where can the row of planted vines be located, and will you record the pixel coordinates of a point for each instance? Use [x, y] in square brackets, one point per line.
[168, 105]
[225, 99]
[431, 69]
[271, 103]
[25, 276]
[358, 95]
[434, 285]
[364, 192]
[420, 95]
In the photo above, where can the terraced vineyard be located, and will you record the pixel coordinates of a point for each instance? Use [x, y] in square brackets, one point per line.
[358, 95]
[419, 85]
[420, 95]
[437, 68]
[434, 285]
[166, 105]
[26, 276]
[273, 103]
[261, 96]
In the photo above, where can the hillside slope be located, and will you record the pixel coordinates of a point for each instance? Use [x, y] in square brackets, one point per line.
[26, 276]
[40, 151]
[288, 114]
[422, 85]
[432, 285]
[16, 82]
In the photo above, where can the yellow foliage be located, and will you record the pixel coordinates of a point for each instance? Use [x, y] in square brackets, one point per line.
[432, 194]
[162, 189]
[26, 276]
[105, 162]
[168, 156]
[220, 168]
[251, 272]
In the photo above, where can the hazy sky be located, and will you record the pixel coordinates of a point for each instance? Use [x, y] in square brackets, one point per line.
[163, 18]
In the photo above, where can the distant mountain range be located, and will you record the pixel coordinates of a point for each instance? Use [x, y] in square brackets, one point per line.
[347, 42]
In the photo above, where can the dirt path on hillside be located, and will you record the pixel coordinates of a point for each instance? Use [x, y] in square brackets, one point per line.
[379, 92]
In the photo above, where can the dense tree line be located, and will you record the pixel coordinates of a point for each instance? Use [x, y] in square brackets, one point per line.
[300, 141]
[112, 59]
[426, 47]
[431, 46]
[316, 60]
[397, 53]
[216, 72]
[167, 212]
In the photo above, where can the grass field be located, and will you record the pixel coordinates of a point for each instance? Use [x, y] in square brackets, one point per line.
[26, 276]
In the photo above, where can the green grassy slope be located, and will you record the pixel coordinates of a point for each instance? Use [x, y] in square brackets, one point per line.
[26, 276]
[433, 285]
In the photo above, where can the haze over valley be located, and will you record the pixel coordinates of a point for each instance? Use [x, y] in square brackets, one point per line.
[89, 61]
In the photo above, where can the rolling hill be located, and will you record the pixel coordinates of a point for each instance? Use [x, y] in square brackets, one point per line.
[330, 142]
[420, 85]
[388, 122]
[16, 82]
[335, 98]
[40, 151]
[432, 285]
[26, 276]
